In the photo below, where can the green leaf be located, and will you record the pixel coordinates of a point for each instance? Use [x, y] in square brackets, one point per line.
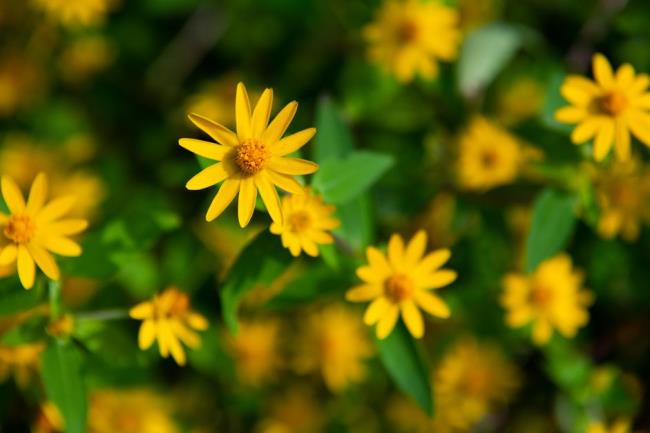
[16, 299]
[334, 139]
[64, 383]
[260, 263]
[484, 53]
[341, 180]
[551, 228]
[357, 223]
[406, 367]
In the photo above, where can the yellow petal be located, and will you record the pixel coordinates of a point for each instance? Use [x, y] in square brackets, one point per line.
[12, 195]
[376, 258]
[287, 183]
[219, 133]
[603, 70]
[205, 149]
[45, 261]
[570, 114]
[37, 194]
[412, 318]
[432, 304]
[224, 197]
[439, 279]
[269, 196]
[174, 345]
[8, 255]
[396, 251]
[197, 321]
[292, 166]
[586, 130]
[187, 336]
[279, 125]
[309, 247]
[26, 268]
[242, 113]
[604, 139]
[207, 177]
[262, 113]
[622, 140]
[363, 292]
[372, 275]
[143, 310]
[387, 322]
[294, 142]
[67, 227]
[56, 209]
[247, 198]
[376, 310]
[431, 262]
[625, 76]
[638, 123]
[62, 246]
[416, 247]
[542, 332]
[147, 334]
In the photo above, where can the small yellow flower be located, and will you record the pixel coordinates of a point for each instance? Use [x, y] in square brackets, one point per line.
[294, 411]
[85, 57]
[306, 223]
[620, 426]
[168, 318]
[255, 350]
[607, 108]
[20, 82]
[408, 37]
[551, 298]
[22, 361]
[521, 100]
[334, 342]
[254, 159]
[34, 229]
[75, 12]
[401, 282]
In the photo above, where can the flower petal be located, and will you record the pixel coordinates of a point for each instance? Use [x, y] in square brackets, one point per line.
[269, 196]
[279, 125]
[363, 292]
[26, 267]
[56, 209]
[586, 130]
[376, 310]
[68, 227]
[143, 310]
[387, 322]
[542, 332]
[224, 197]
[416, 247]
[147, 334]
[37, 194]
[604, 140]
[8, 255]
[247, 198]
[293, 142]
[207, 177]
[292, 166]
[45, 261]
[412, 318]
[62, 246]
[622, 140]
[243, 113]
[219, 133]
[570, 114]
[205, 149]
[287, 183]
[396, 252]
[439, 279]
[432, 304]
[639, 124]
[431, 262]
[262, 113]
[603, 70]
[12, 195]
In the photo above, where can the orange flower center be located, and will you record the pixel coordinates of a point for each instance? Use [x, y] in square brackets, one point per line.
[475, 382]
[398, 287]
[20, 229]
[299, 221]
[407, 32]
[541, 296]
[250, 156]
[489, 159]
[612, 103]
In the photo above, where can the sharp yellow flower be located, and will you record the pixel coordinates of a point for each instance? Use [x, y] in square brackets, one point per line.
[33, 229]
[620, 426]
[169, 319]
[401, 282]
[334, 343]
[408, 37]
[21, 361]
[306, 223]
[254, 159]
[75, 12]
[608, 108]
[255, 350]
[551, 298]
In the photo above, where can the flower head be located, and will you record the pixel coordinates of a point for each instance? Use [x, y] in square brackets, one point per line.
[75, 12]
[169, 319]
[551, 298]
[306, 223]
[254, 159]
[401, 282]
[255, 350]
[607, 108]
[408, 37]
[22, 361]
[34, 228]
[620, 426]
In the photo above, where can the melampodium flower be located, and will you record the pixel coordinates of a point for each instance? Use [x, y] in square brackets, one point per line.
[401, 283]
[551, 298]
[620, 426]
[21, 361]
[33, 229]
[408, 37]
[306, 223]
[75, 12]
[255, 350]
[608, 108]
[254, 159]
[169, 319]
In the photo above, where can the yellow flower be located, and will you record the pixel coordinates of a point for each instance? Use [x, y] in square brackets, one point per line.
[213, 100]
[34, 229]
[86, 57]
[306, 222]
[620, 426]
[295, 411]
[22, 361]
[488, 156]
[408, 37]
[75, 12]
[521, 100]
[255, 158]
[255, 350]
[169, 319]
[609, 108]
[20, 81]
[335, 343]
[401, 283]
[551, 298]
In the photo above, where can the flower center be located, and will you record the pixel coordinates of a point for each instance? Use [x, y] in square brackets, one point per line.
[250, 156]
[407, 32]
[541, 296]
[475, 382]
[20, 229]
[612, 103]
[398, 287]
[299, 221]
[489, 159]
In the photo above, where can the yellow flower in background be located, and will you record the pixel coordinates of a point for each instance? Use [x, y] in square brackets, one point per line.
[471, 381]
[608, 108]
[401, 283]
[520, 100]
[34, 229]
[23, 362]
[85, 57]
[169, 319]
[620, 426]
[255, 350]
[623, 194]
[306, 223]
[409, 37]
[551, 298]
[334, 342]
[254, 159]
[75, 12]
[475, 13]
[294, 411]
[488, 156]
[20, 82]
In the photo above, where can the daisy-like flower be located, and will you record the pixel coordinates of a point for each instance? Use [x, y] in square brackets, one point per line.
[34, 229]
[255, 349]
[401, 282]
[408, 37]
[608, 108]
[306, 223]
[551, 298]
[254, 159]
[21, 361]
[75, 12]
[620, 426]
[169, 319]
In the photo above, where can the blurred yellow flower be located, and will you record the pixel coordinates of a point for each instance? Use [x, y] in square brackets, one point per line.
[214, 99]
[334, 342]
[33, 229]
[401, 282]
[75, 12]
[255, 350]
[294, 411]
[23, 362]
[169, 319]
[620, 426]
[550, 298]
[608, 108]
[520, 100]
[48, 420]
[488, 156]
[409, 37]
[20, 81]
[306, 223]
[251, 160]
[85, 57]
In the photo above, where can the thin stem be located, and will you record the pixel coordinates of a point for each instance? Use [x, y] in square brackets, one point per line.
[115, 314]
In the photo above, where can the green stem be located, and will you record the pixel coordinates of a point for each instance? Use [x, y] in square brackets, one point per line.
[115, 314]
[55, 299]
